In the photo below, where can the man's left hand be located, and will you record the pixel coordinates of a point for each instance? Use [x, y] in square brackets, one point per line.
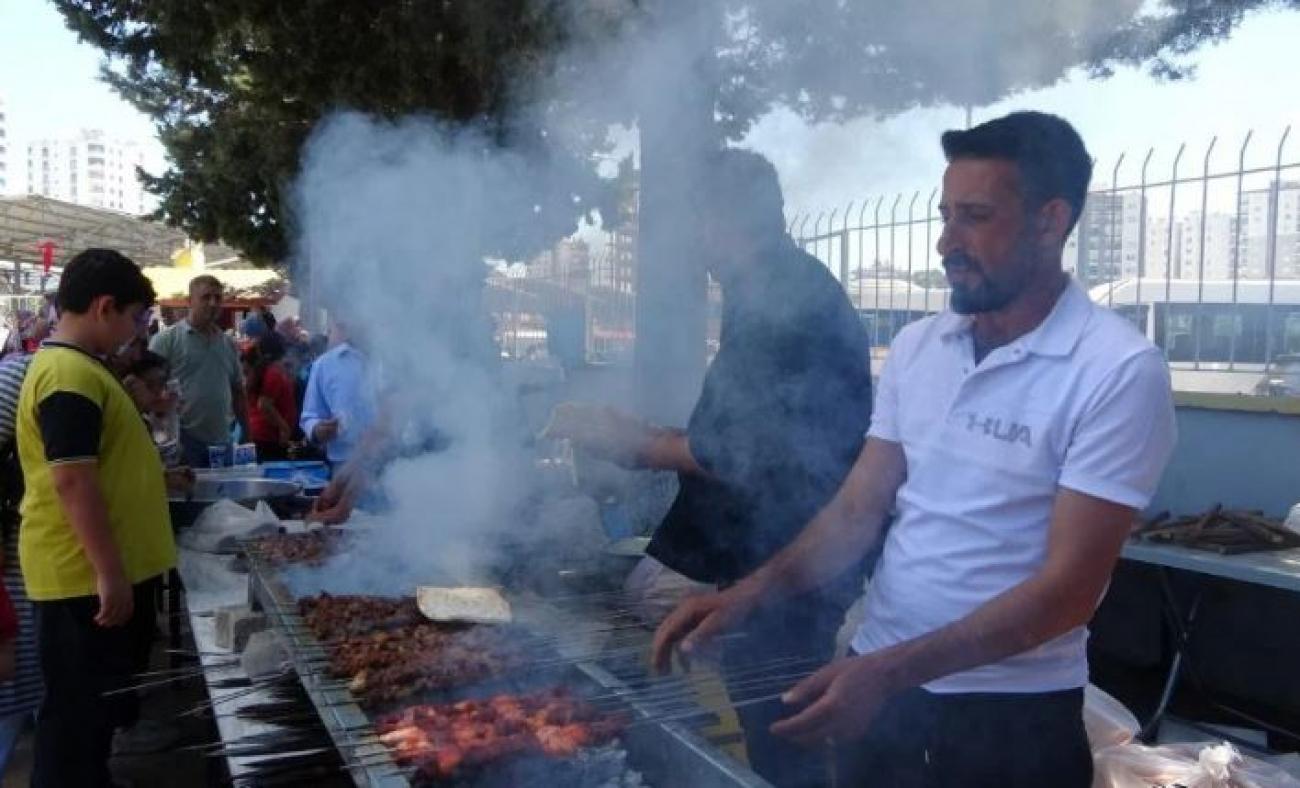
[840, 701]
[179, 480]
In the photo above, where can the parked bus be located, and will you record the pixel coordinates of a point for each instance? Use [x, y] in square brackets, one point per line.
[1219, 335]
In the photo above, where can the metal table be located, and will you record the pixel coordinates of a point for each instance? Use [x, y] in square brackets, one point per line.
[1279, 569]
[210, 584]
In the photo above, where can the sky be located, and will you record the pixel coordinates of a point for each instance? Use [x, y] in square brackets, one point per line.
[49, 84]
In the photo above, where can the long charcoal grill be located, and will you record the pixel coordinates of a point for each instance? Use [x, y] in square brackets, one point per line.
[664, 753]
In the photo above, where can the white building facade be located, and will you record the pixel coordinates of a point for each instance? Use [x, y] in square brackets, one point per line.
[1259, 211]
[88, 168]
[6, 169]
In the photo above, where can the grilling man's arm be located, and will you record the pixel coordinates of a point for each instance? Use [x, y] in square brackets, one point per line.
[842, 531]
[833, 541]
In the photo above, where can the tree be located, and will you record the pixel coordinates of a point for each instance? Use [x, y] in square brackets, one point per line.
[235, 86]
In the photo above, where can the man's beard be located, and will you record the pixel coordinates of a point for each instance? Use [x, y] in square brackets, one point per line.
[988, 294]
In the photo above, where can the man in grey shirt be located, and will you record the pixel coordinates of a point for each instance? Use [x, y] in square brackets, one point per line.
[206, 363]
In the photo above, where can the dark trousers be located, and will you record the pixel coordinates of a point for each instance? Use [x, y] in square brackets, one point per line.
[80, 661]
[984, 740]
[791, 630]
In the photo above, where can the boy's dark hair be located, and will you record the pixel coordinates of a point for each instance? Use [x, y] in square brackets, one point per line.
[148, 362]
[1045, 148]
[102, 272]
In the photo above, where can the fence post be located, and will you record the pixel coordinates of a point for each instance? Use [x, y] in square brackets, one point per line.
[1236, 245]
[862, 212]
[1142, 232]
[1169, 250]
[1275, 208]
[911, 205]
[1200, 257]
[844, 248]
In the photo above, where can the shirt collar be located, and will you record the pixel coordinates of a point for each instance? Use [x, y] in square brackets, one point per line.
[1057, 335]
[1060, 332]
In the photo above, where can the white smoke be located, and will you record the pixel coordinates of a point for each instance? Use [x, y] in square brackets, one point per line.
[394, 218]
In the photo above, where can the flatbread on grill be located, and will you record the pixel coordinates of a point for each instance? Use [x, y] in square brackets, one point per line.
[469, 604]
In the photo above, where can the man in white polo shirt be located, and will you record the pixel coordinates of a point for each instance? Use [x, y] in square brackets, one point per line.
[1015, 437]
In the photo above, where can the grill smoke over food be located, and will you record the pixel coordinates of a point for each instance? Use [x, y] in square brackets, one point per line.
[394, 218]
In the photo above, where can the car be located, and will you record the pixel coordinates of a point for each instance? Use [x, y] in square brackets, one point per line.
[1281, 377]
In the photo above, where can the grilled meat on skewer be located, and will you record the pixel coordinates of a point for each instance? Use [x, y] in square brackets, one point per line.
[441, 739]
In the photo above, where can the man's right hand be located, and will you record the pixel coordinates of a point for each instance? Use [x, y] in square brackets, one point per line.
[602, 431]
[333, 506]
[699, 618]
[116, 600]
[325, 430]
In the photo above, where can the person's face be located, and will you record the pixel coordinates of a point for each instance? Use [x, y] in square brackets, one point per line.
[117, 327]
[990, 241]
[726, 248]
[150, 392]
[205, 305]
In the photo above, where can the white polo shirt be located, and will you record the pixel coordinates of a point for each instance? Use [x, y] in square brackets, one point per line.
[1082, 402]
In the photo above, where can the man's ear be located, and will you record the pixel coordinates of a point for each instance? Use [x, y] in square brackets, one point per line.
[1054, 220]
[102, 306]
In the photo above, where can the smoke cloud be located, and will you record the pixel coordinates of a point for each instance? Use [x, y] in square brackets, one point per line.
[394, 219]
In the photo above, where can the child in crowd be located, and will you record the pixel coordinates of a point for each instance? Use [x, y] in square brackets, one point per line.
[96, 535]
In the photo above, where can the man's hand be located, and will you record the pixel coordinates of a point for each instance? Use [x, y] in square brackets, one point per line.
[325, 431]
[837, 702]
[180, 479]
[116, 600]
[699, 618]
[334, 506]
[602, 431]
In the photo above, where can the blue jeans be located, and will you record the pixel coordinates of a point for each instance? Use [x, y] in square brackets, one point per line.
[11, 727]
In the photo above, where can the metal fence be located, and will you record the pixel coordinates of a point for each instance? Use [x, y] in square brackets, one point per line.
[1204, 259]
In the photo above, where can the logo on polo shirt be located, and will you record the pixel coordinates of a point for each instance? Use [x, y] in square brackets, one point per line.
[1007, 431]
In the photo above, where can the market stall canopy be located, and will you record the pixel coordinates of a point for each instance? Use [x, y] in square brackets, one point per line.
[251, 286]
[29, 223]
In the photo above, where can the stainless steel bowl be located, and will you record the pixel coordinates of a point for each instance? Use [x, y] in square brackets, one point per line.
[277, 493]
[245, 491]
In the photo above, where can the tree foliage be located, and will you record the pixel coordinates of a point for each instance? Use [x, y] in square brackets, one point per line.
[235, 86]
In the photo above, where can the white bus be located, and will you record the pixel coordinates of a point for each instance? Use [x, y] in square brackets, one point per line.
[1219, 335]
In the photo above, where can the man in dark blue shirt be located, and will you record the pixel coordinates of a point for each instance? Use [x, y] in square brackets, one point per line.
[780, 420]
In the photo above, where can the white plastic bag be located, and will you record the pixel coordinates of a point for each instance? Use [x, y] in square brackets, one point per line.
[1106, 720]
[223, 524]
[1192, 765]
[1293, 519]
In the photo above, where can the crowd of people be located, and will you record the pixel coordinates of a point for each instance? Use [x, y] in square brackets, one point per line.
[104, 412]
[1011, 442]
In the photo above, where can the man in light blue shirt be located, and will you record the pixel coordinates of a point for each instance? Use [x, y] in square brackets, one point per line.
[338, 407]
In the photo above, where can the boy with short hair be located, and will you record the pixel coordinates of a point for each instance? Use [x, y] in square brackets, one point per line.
[96, 534]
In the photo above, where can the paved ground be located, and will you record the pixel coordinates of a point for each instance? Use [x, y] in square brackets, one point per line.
[159, 770]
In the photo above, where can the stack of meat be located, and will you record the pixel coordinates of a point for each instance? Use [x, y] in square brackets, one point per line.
[312, 548]
[389, 652]
[438, 740]
[334, 618]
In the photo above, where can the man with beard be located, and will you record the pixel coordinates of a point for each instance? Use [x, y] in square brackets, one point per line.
[1015, 437]
[778, 424]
